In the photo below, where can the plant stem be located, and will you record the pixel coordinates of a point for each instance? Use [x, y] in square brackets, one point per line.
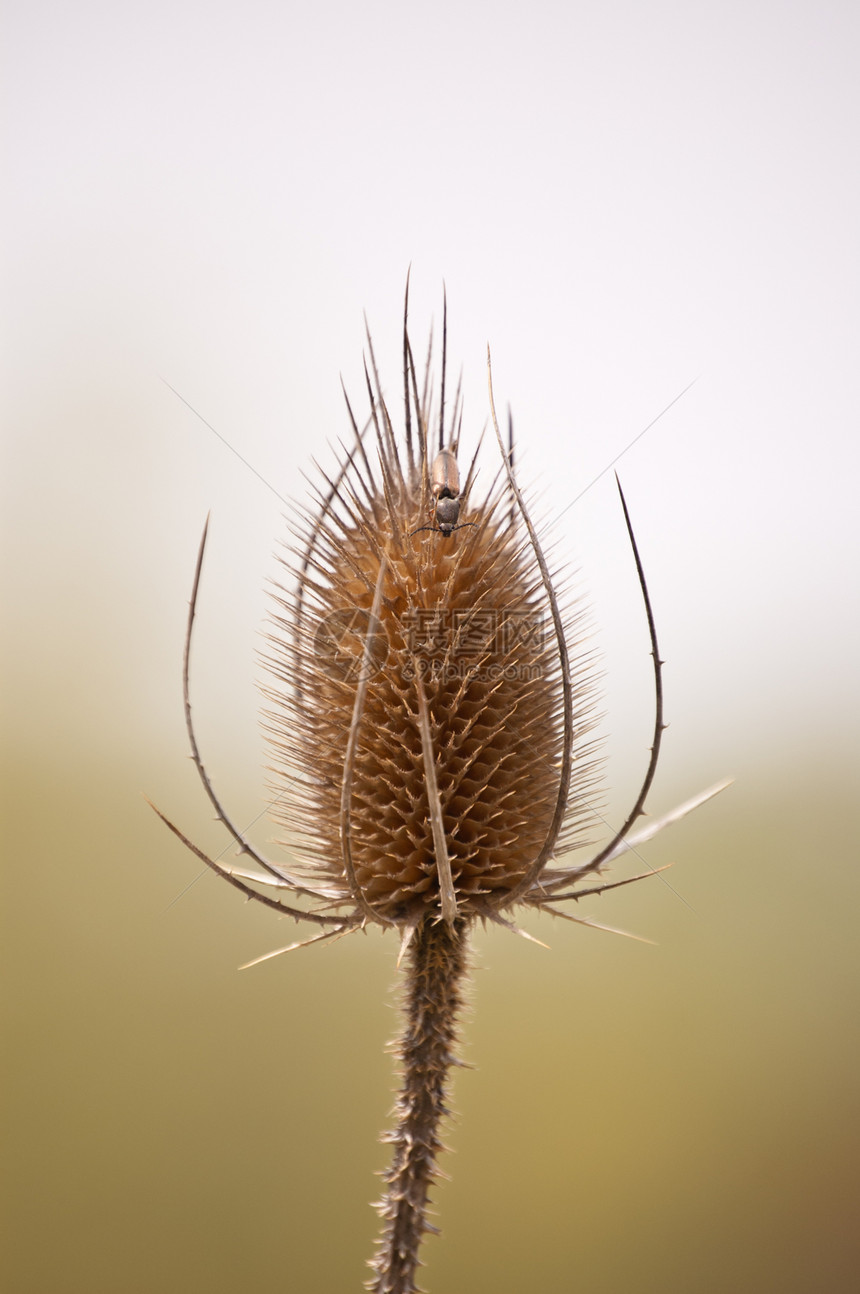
[438, 961]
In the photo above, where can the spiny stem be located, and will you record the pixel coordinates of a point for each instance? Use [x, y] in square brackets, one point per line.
[438, 961]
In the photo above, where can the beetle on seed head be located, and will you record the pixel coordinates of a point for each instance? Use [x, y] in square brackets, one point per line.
[445, 488]
[444, 474]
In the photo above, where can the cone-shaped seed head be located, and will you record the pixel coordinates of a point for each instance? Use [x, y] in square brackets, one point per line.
[462, 619]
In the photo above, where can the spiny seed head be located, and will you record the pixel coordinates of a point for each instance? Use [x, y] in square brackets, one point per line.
[416, 704]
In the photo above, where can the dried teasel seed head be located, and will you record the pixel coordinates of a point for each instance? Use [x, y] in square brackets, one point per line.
[417, 706]
[430, 714]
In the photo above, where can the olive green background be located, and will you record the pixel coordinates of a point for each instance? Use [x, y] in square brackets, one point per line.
[621, 200]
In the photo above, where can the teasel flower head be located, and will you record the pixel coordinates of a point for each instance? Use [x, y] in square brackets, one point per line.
[430, 709]
[418, 712]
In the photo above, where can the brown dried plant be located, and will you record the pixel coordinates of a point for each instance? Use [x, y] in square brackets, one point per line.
[431, 716]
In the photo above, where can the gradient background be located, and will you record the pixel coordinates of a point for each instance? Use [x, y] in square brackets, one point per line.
[621, 198]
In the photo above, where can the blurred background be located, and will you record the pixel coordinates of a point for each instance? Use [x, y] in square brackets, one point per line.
[623, 200]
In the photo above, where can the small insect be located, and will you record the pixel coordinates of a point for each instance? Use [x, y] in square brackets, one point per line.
[445, 488]
[445, 474]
